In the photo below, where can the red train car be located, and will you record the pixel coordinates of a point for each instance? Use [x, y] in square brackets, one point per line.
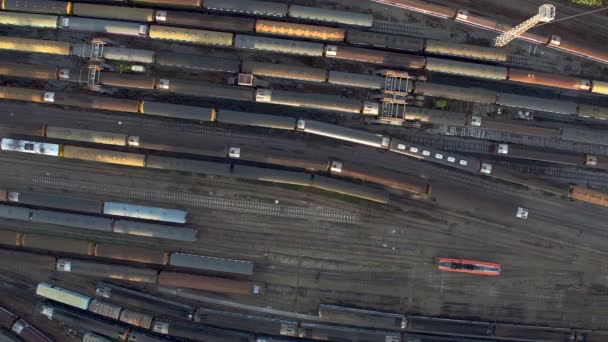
[468, 266]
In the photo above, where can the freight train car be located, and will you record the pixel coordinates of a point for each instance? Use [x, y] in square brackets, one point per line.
[144, 212]
[257, 324]
[343, 133]
[317, 101]
[277, 45]
[346, 334]
[253, 7]
[28, 332]
[312, 32]
[330, 16]
[205, 21]
[83, 321]
[85, 135]
[205, 283]
[102, 270]
[191, 36]
[589, 195]
[212, 264]
[62, 295]
[391, 59]
[360, 317]
[199, 332]
[392, 42]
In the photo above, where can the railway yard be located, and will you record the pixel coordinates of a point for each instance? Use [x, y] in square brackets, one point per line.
[239, 170]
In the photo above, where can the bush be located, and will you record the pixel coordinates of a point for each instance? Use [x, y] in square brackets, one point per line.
[590, 3]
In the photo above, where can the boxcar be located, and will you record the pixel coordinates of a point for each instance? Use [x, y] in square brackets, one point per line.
[206, 89]
[131, 253]
[113, 12]
[28, 19]
[9, 238]
[549, 80]
[193, 36]
[101, 270]
[355, 80]
[287, 46]
[98, 137]
[206, 21]
[539, 104]
[37, 6]
[600, 87]
[457, 93]
[271, 175]
[32, 147]
[308, 100]
[257, 324]
[343, 133]
[199, 332]
[593, 111]
[144, 212]
[83, 321]
[255, 119]
[55, 201]
[194, 166]
[272, 9]
[465, 50]
[35, 45]
[116, 79]
[361, 317]
[285, 71]
[104, 156]
[93, 102]
[29, 71]
[384, 40]
[313, 32]
[589, 195]
[154, 230]
[64, 296]
[330, 16]
[466, 69]
[213, 264]
[205, 283]
[392, 59]
[57, 244]
[15, 213]
[170, 3]
[344, 333]
[197, 62]
[72, 220]
[351, 189]
[144, 301]
[128, 55]
[135, 318]
[122, 28]
[21, 94]
[177, 111]
[105, 309]
[28, 332]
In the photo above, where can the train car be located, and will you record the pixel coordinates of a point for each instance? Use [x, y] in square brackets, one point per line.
[285, 158]
[317, 101]
[32, 147]
[144, 301]
[72, 220]
[137, 319]
[350, 189]
[7, 318]
[93, 337]
[199, 332]
[154, 230]
[15, 213]
[271, 175]
[434, 116]
[113, 27]
[313, 32]
[468, 266]
[422, 7]
[252, 7]
[330, 16]
[142, 15]
[145, 212]
[388, 41]
[346, 334]
[449, 326]
[277, 45]
[57, 244]
[22, 94]
[356, 80]
[105, 309]
[29, 20]
[140, 336]
[55, 201]
[192, 36]
[197, 62]
[206, 89]
[131, 253]
[287, 71]
[8, 336]
[600, 87]
[101, 270]
[534, 333]
[538, 104]
[343, 133]
[86, 135]
[64, 296]
[196, 4]
[466, 69]
[35, 45]
[37, 6]
[120, 80]
[34, 71]
[465, 50]
[391, 59]
[257, 120]
[549, 80]
[588, 195]
[469, 164]
[92, 102]
[117, 53]
[83, 321]
[9, 238]
[360, 317]
[578, 49]
[212, 264]
[479, 95]
[205, 21]
[518, 127]
[257, 324]
[28, 332]
[589, 111]
[205, 283]
[185, 165]
[171, 110]
[104, 156]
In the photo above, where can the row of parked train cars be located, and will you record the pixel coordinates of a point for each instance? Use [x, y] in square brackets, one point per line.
[82, 23]
[334, 323]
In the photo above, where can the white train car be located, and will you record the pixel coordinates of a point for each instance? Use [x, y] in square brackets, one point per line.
[64, 296]
[145, 212]
[27, 146]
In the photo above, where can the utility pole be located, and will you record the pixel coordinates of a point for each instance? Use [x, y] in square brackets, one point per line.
[546, 13]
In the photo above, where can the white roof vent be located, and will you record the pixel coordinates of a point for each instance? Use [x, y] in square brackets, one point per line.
[234, 152]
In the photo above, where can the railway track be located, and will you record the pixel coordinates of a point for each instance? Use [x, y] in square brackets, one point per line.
[386, 26]
[571, 174]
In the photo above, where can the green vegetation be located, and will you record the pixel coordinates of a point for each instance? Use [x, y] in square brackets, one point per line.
[590, 3]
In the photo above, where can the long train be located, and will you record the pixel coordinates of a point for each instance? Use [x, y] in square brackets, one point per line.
[335, 323]
[19, 327]
[241, 41]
